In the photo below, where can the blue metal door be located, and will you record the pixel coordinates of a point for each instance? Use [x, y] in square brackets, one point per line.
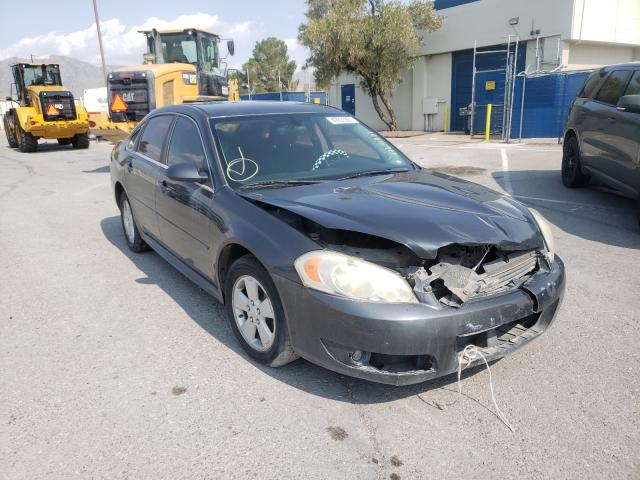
[490, 89]
[349, 98]
[462, 79]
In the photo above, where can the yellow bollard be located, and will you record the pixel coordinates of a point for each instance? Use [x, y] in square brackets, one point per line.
[446, 119]
[487, 130]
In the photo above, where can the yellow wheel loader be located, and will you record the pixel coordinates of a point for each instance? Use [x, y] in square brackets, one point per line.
[180, 66]
[46, 109]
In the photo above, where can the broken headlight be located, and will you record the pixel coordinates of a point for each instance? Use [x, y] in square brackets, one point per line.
[351, 277]
[545, 229]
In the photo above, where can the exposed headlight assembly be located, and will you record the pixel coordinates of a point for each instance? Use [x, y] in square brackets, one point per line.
[547, 234]
[352, 277]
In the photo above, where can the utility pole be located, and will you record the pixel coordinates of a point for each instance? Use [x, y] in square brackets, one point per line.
[248, 84]
[104, 65]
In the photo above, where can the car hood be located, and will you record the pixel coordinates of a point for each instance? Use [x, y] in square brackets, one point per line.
[420, 209]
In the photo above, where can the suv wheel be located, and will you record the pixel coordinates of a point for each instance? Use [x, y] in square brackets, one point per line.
[255, 313]
[572, 175]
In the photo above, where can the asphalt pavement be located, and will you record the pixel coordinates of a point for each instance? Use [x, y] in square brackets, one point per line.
[113, 365]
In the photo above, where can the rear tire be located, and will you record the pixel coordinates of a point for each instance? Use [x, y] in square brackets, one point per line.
[572, 175]
[64, 141]
[27, 143]
[129, 227]
[9, 131]
[80, 141]
[243, 306]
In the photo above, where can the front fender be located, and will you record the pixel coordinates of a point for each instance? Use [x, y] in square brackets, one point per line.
[25, 115]
[272, 241]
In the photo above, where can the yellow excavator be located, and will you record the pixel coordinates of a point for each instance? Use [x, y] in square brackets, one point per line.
[46, 109]
[180, 66]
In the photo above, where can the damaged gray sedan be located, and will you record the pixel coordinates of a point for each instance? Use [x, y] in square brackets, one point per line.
[324, 241]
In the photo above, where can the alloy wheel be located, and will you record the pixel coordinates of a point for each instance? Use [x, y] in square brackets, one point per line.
[127, 221]
[253, 313]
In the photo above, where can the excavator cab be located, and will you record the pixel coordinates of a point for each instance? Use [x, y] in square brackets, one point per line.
[45, 109]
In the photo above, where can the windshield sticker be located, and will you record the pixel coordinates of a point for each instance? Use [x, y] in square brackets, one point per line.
[341, 120]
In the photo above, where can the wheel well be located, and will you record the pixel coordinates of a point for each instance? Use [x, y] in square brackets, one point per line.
[229, 254]
[118, 191]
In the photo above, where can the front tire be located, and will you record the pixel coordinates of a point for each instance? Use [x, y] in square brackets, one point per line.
[131, 232]
[255, 313]
[572, 175]
[80, 141]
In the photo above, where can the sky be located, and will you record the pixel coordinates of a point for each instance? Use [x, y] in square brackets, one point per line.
[69, 29]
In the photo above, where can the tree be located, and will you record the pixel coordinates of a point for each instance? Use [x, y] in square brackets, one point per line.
[374, 39]
[269, 60]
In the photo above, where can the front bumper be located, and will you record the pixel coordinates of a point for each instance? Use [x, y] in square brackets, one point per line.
[402, 344]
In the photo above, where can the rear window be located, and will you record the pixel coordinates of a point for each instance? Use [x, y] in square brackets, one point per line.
[613, 87]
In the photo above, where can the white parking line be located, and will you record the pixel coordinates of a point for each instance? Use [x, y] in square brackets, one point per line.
[505, 169]
[573, 204]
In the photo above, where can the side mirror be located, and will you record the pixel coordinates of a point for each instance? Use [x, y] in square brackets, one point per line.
[185, 172]
[231, 47]
[629, 103]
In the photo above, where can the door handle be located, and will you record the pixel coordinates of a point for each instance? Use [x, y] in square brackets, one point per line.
[166, 186]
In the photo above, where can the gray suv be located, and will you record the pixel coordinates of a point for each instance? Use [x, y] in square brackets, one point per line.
[602, 137]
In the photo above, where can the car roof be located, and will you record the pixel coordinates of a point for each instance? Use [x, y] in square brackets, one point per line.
[260, 107]
[621, 65]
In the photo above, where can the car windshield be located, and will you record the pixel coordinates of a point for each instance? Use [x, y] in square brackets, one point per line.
[301, 147]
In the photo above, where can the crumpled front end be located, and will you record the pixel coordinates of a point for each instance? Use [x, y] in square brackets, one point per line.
[495, 299]
[402, 344]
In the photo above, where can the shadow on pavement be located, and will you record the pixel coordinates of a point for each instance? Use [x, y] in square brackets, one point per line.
[591, 213]
[104, 169]
[299, 374]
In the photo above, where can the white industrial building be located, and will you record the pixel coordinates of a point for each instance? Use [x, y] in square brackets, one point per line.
[554, 34]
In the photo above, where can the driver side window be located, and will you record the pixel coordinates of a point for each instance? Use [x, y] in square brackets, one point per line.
[186, 146]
